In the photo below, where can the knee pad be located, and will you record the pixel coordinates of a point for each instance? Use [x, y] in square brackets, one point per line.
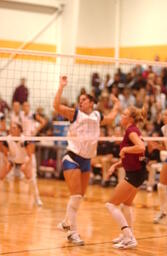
[110, 206]
[126, 207]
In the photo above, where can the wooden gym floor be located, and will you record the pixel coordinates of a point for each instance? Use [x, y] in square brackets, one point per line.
[31, 231]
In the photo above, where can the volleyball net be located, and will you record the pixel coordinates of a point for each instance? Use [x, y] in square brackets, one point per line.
[42, 71]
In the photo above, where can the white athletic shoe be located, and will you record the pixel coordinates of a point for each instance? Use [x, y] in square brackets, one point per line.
[38, 202]
[126, 244]
[160, 216]
[74, 237]
[63, 227]
[149, 188]
[118, 239]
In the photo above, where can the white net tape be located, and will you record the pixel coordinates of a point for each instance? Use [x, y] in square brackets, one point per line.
[66, 138]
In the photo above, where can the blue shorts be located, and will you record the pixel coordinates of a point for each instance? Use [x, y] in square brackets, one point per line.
[73, 161]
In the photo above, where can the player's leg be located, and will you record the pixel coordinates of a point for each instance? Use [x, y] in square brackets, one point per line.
[124, 193]
[29, 169]
[73, 181]
[162, 193]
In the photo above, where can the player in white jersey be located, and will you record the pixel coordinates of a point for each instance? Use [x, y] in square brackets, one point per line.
[15, 113]
[162, 185]
[20, 154]
[31, 123]
[85, 124]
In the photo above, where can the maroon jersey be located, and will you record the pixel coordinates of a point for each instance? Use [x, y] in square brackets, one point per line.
[131, 162]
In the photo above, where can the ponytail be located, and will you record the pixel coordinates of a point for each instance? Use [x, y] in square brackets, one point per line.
[138, 114]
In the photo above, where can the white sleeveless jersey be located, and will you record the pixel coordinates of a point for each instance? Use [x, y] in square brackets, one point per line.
[15, 118]
[87, 128]
[17, 153]
[164, 131]
[28, 124]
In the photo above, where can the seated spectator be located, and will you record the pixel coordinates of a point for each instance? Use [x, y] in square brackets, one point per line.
[140, 98]
[160, 97]
[117, 82]
[147, 71]
[95, 83]
[157, 69]
[121, 75]
[3, 106]
[103, 104]
[126, 98]
[158, 123]
[164, 77]
[3, 129]
[107, 82]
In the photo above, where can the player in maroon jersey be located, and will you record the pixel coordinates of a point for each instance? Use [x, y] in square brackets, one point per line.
[132, 158]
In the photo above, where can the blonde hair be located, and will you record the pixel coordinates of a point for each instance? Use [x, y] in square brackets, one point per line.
[138, 114]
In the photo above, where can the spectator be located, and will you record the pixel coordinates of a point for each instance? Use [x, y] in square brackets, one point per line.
[116, 82]
[160, 97]
[3, 105]
[95, 82]
[164, 76]
[126, 98]
[32, 124]
[3, 130]
[21, 92]
[157, 69]
[107, 82]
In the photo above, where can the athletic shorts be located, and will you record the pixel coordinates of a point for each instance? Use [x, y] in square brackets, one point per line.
[73, 161]
[136, 178]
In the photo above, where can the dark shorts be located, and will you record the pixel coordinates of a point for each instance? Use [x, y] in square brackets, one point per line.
[18, 165]
[136, 178]
[73, 161]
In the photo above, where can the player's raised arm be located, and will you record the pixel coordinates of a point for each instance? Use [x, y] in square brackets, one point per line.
[108, 119]
[63, 110]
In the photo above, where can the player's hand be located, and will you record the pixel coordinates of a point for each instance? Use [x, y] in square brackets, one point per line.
[122, 152]
[114, 98]
[115, 101]
[63, 81]
[110, 171]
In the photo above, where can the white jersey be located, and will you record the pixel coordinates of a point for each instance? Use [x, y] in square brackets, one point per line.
[17, 152]
[28, 124]
[87, 128]
[164, 131]
[15, 118]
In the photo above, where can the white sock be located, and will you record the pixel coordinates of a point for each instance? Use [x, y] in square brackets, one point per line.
[66, 220]
[120, 219]
[1, 183]
[151, 175]
[34, 185]
[128, 213]
[34, 161]
[72, 208]
[162, 196]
